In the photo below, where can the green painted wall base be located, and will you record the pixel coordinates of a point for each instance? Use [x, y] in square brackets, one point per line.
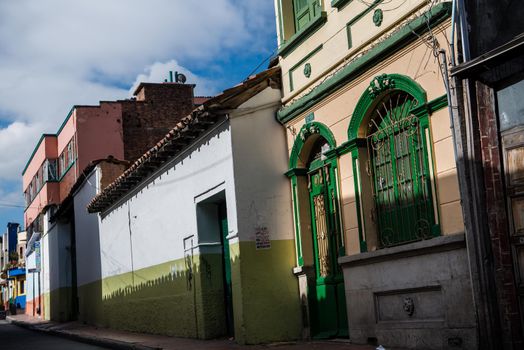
[265, 293]
[167, 299]
[171, 299]
[57, 305]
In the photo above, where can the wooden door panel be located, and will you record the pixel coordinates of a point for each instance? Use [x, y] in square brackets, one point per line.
[517, 211]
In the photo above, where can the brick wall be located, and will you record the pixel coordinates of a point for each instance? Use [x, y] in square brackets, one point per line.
[110, 171]
[156, 110]
[497, 218]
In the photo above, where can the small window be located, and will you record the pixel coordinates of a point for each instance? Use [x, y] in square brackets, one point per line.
[68, 157]
[52, 171]
[304, 11]
[296, 15]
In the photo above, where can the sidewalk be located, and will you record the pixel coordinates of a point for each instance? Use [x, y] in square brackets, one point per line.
[127, 340]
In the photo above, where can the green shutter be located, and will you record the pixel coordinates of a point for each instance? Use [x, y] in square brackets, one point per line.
[305, 11]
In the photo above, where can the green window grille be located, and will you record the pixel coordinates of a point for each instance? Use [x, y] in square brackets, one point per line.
[398, 165]
[305, 11]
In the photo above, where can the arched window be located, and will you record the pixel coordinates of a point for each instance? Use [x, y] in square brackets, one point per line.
[398, 167]
[394, 163]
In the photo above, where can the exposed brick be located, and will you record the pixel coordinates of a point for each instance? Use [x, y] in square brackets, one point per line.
[110, 171]
[156, 110]
[497, 217]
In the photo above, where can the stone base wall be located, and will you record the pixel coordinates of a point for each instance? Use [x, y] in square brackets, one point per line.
[415, 296]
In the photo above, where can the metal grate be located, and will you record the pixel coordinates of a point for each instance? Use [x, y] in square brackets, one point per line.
[322, 235]
[399, 171]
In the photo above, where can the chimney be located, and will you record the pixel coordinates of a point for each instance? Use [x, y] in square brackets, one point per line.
[154, 92]
[158, 107]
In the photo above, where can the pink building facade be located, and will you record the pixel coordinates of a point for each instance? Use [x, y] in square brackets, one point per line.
[120, 130]
[88, 133]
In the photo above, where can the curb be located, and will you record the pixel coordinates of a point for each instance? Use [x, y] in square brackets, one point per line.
[103, 342]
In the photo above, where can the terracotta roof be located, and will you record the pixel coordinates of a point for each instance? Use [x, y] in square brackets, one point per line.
[199, 100]
[183, 135]
[68, 200]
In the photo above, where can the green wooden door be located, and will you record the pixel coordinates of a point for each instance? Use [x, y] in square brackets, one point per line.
[327, 298]
[228, 291]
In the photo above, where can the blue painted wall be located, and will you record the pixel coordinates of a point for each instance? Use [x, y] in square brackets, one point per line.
[12, 233]
[20, 301]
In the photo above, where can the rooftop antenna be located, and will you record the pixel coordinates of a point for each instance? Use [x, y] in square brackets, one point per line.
[178, 78]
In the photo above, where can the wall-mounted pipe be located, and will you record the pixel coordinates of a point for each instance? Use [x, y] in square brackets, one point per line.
[463, 31]
[452, 39]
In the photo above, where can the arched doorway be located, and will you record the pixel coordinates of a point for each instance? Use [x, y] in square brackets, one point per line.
[314, 176]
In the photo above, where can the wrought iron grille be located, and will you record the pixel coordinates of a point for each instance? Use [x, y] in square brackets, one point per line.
[322, 235]
[398, 167]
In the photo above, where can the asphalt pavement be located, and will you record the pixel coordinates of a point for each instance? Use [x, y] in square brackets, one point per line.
[16, 338]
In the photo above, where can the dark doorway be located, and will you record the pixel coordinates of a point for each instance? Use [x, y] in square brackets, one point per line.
[226, 261]
[213, 237]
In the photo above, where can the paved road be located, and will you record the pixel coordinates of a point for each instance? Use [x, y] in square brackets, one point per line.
[16, 338]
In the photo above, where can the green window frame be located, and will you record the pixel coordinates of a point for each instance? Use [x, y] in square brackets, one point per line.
[305, 11]
[389, 138]
[399, 171]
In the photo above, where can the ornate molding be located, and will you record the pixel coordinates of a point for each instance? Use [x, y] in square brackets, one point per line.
[378, 16]
[308, 131]
[409, 306]
[380, 84]
[307, 70]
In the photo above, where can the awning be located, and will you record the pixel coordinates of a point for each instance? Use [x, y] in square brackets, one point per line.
[493, 58]
[15, 272]
[31, 244]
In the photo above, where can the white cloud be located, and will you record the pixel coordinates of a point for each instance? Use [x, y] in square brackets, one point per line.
[58, 53]
[16, 138]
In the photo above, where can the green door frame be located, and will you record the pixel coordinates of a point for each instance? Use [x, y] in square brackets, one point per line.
[226, 259]
[326, 296]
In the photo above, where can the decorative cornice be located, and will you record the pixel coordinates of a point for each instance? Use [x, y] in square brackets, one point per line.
[403, 37]
[380, 84]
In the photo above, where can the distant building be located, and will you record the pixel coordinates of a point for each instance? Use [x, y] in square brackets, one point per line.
[12, 278]
[121, 130]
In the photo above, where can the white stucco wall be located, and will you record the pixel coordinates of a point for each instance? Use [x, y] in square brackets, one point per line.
[57, 250]
[148, 227]
[260, 161]
[30, 263]
[55, 256]
[88, 262]
[44, 251]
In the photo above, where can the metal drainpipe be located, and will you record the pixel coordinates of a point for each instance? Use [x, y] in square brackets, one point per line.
[463, 31]
[445, 77]
[452, 39]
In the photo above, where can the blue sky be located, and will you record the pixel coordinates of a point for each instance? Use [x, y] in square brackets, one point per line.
[58, 53]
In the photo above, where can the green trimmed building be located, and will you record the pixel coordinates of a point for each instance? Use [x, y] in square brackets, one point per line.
[379, 233]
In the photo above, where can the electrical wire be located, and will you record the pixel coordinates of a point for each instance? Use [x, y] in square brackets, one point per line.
[433, 45]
